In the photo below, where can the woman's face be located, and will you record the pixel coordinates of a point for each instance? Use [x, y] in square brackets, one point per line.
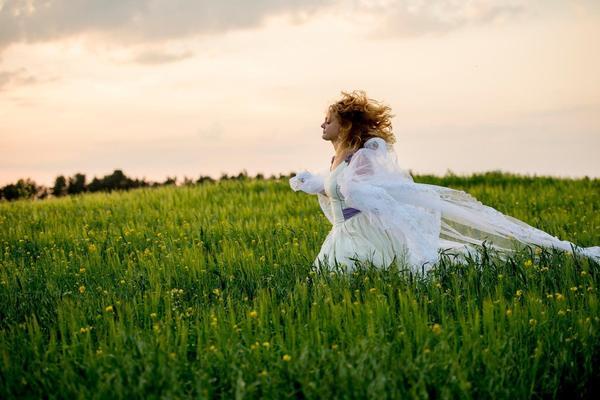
[331, 128]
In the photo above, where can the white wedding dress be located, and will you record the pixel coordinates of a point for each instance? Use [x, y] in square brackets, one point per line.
[379, 214]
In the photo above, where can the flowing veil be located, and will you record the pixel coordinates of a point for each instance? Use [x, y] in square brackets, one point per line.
[427, 217]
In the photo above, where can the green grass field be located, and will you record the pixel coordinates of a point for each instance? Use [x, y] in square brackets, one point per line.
[207, 291]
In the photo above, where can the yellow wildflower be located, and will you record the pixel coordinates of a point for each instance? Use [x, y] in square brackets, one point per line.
[81, 289]
[528, 263]
[519, 293]
[436, 328]
[532, 322]
[109, 309]
[508, 312]
[253, 314]
[287, 358]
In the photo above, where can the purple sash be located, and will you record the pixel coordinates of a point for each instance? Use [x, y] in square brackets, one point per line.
[349, 212]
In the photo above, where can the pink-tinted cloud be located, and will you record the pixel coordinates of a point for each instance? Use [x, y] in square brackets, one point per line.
[137, 20]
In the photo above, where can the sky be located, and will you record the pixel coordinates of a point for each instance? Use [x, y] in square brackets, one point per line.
[163, 88]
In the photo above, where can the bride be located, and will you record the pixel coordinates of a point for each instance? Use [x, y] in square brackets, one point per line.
[380, 215]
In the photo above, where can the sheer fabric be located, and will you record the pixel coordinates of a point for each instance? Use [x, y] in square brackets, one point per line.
[427, 218]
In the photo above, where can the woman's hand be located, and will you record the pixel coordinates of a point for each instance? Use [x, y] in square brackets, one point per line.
[307, 182]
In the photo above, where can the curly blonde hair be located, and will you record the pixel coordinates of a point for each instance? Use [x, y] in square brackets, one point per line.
[361, 119]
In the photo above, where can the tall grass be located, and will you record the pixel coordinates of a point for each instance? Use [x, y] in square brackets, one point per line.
[207, 291]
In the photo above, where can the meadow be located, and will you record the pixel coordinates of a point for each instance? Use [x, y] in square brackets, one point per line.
[207, 291]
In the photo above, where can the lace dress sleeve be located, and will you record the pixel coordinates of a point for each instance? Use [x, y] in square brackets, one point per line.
[308, 182]
[313, 184]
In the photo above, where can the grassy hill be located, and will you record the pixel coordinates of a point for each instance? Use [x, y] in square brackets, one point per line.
[207, 291]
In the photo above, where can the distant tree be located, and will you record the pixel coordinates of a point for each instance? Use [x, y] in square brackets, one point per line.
[242, 176]
[259, 176]
[188, 181]
[96, 185]
[60, 186]
[76, 184]
[170, 181]
[203, 179]
[42, 193]
[23, 189]
[116, 181]
[10, 192]
[224, 177]
[139, 183]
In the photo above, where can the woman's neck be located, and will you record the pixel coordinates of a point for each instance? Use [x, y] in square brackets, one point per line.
[339, 148]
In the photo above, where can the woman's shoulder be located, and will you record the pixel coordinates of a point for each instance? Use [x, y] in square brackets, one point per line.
[375, 143]
[372, 145]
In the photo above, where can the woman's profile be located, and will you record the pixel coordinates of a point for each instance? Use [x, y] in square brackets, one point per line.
[380, 215]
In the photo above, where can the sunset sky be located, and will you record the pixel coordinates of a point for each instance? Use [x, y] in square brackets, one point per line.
[188, 88]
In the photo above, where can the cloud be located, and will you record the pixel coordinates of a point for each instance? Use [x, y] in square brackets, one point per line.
[19, 77]
[137, 20]
[414, 18]
[153, 57]
[143, 21]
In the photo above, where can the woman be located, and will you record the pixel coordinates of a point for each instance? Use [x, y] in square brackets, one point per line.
[380, 215]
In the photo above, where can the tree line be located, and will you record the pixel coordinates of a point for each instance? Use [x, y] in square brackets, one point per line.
[76, 184]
